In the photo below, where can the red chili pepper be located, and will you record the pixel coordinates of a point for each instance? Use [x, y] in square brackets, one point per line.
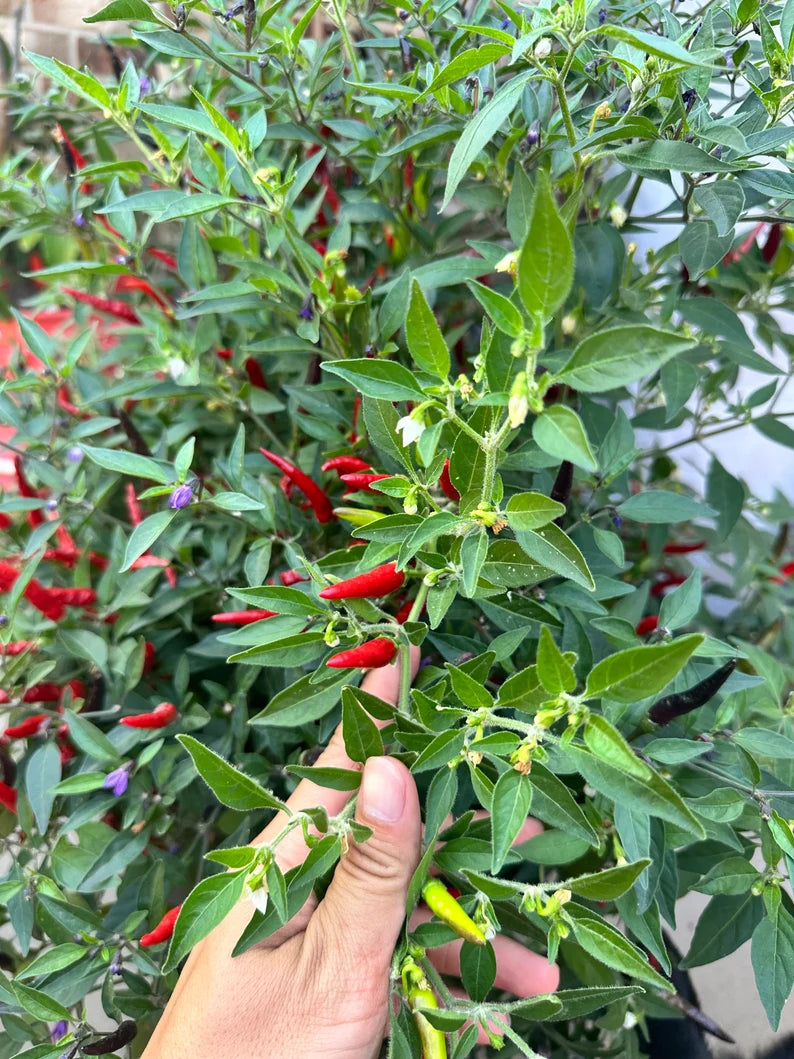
[30, 726]
[163, 930]
[5, 521]
[224, 354]
[772, 244]
[16, 647]
[346, 465]
[786, 571]
[67, 752]
[375, 583]
[111, 306]
[35, 518]
[162, 255]
[65, 540]
[125, 283]
[447, 488]
[148, 560]
[401, 617]
[133, 507]
[292, 577]
[74, 597]
[149, 656]
[354, 417]
[318, 498]
[71, 156]
[370, 655]
[408, 173]
[243, 617]
[42, 599]
[253, 370]
[8, 797]
[647, 624]
[160, 717]
[683, 547]
[62, 400]
[8, 576]
[667, 582]
[361, 481]
[51, 692]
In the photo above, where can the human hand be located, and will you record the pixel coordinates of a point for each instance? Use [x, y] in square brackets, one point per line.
[320, 984]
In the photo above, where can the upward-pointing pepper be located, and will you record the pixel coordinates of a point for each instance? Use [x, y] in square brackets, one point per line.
[375, 583]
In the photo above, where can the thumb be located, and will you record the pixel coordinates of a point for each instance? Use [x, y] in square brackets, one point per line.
[364, 907]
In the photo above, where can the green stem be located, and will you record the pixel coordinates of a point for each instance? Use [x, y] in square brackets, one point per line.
[405, 651]
[342, 26]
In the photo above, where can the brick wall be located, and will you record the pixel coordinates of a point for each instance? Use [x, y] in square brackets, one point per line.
[54, 28]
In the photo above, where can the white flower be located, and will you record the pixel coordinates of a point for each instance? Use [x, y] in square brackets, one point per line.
[410, 428]
[543, 48]
[508, 263]
[618, 216]
[259, 899]
[517, 409]
[176, 367]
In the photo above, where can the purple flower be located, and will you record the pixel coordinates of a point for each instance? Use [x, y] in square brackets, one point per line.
[506, 22]
[115, 966]
[533, 135]
[79, 220]
[617, 521]
[307, 311]
[58, 1030]
[144, 84]
[74, 454]
[181, 496]
[602, 16]
[3, 619]
[118, 780]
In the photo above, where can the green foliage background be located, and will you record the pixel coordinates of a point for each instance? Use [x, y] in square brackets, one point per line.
[433, 210]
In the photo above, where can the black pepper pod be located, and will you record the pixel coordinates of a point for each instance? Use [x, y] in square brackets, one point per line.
[563, 483]
[134, 436]
[126, 1032]
[672, 706]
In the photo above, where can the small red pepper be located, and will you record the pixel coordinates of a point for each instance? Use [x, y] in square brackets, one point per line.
[162, 255]
[253, 370]
[8, 797]
[318, 498]
[64, 402]
[243, 617]
[149, 656]
[292, 577]
[125, 283]
[401, 617]
[163, 930]
[786, 571]
[370, 655]
[447, 488]
[111, 306]
[770, 247]
[683, 547]
[224, 354]
[8, 576]
[363, 482]
[160, 717]
[30, 726]
[65, 540]
[35, 518]
[133, 507]
[42, 599]
[354, 418]
[375, 583]
[346, 465]
[74, 597]
[5, 521]
[647, 624]
[16, 647]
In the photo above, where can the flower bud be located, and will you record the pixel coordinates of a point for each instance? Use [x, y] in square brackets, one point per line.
[618, 216]
[518, 404]
[543, 48]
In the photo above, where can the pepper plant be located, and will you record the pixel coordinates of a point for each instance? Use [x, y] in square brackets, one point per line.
[333, 338]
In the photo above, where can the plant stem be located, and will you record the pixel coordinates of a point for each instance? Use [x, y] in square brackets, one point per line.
[342, 26]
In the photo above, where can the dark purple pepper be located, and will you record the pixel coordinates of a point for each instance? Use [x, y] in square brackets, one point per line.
[307, 311]
[602, 16]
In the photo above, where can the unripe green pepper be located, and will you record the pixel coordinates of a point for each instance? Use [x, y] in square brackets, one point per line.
[419, 995]
[442, 904]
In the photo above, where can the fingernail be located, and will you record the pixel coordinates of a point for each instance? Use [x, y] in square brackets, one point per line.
[382, 794]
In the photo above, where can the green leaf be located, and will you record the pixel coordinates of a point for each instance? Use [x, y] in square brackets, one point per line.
[473, 552]
[734, 875]
[90, 739]
[530, 511]
[360, 733]
[545, 264]
[608, 884]
[726, 922]
[229, 785]
[726, 495]
[425, 342]
[465, 63]
[380, 419]
[722, 202]
[236, 502]
[554, 804]
[772, 954]
[765, 743]
[680, 606]
[480, 130]
[554, 549]
[204, 908]
[701, 248]
[652, 43]
[383, 379]
[477, 969]
[39, 1005]
[608, 745]
[52, 960]
[512, 797]
[129, 463]
[609, 946]
[670, 154]
[302, 702]
[640, 672]
[613, 358]
[42, 773]
[294, 650]
[554, 670]
[559, 431]
[323, 776]
[144, 536]
[282, 600]
[722, 805]
[124, 11]
[660, 505]
[472, 693]
[506, 317]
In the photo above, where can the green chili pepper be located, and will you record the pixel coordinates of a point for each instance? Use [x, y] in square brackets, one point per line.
[419, 995]
[442, 904]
